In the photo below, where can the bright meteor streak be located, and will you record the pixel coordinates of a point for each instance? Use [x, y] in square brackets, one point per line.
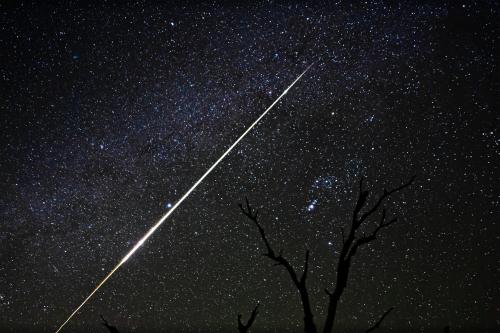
[177, 204]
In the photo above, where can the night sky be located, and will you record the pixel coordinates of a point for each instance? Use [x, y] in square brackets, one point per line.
[110, 112]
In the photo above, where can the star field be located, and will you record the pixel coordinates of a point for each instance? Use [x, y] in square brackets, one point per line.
[111, 111]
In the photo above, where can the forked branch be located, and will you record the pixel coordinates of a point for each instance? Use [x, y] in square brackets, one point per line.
[271, 254]
[377, 324]
[243, 328]
[299, 282]
[353, 242]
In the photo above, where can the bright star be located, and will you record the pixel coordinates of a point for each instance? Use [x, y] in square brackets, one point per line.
[312, 205]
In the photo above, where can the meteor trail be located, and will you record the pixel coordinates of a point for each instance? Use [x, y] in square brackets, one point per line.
[177, 204]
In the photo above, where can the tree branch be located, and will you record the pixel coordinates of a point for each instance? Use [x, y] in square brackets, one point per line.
[371, 237]
[300, 284]
[351, 243]
[384, 195]
[377, 324]
[111, 329]
[271, 254]
[243, 328]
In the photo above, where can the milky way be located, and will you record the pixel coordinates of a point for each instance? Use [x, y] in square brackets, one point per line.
[110, 112]
[172, 208]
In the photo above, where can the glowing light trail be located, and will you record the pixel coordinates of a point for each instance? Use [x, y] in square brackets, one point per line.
[177, 204]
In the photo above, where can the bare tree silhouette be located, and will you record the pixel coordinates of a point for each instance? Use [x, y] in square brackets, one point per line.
[111, 329]
[350, 246]
[243, 328]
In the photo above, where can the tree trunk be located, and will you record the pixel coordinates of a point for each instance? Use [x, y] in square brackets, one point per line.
[309, 326]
